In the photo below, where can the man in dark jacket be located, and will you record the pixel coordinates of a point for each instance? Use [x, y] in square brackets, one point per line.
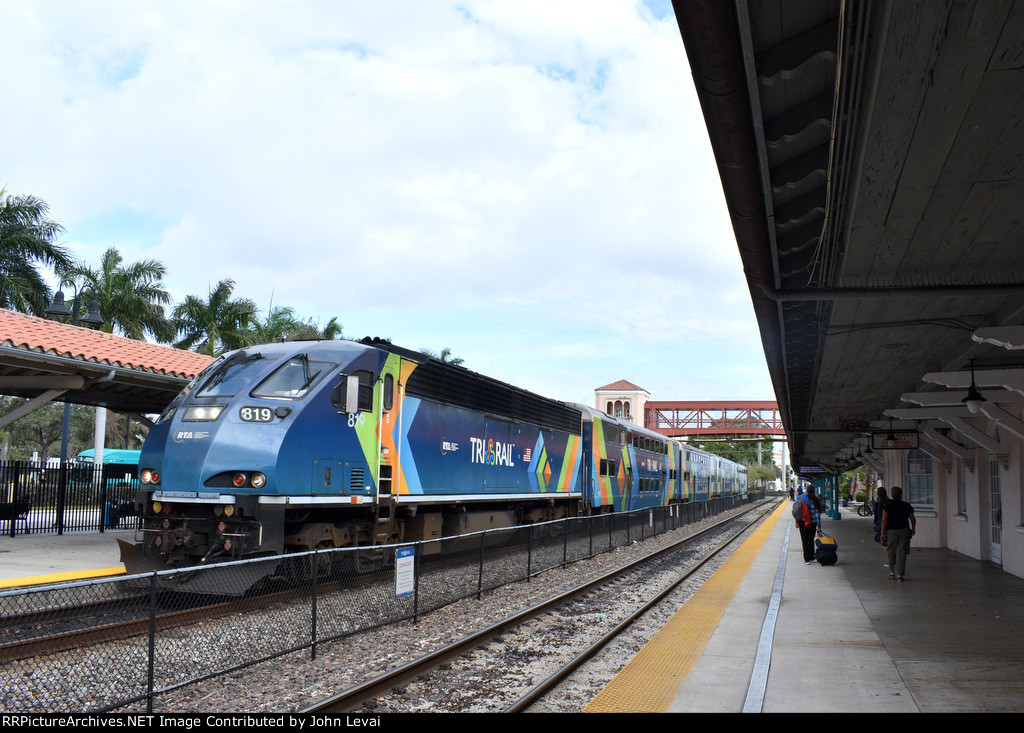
[898, 525]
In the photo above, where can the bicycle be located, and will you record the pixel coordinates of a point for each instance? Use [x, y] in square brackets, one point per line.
[865, 509]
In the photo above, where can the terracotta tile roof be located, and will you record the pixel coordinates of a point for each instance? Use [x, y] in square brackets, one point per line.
[22, 331]
[621, 386]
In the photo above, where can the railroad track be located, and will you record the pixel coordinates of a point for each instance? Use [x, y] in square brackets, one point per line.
[432, 670]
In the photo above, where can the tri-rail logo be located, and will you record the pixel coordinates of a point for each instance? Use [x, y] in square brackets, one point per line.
[491, 453]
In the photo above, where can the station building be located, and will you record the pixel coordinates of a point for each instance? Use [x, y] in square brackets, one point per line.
[623, 400]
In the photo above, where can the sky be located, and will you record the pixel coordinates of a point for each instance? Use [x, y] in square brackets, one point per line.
[526, 182]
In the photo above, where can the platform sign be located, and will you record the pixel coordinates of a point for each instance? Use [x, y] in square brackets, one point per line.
[405, 572]
[895, 441]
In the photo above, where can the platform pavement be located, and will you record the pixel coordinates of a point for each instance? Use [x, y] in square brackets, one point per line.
[847, 639]
[31, 559]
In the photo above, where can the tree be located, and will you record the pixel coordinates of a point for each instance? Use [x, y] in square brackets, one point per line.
[214, 325]
[741, 451]
[278, 325]
[758, 475]
[40, 431]
[26, 241]
[131, 297]
[282, 325]
[445, 356]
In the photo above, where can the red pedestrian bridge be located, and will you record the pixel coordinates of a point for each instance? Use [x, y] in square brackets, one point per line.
[714, 418]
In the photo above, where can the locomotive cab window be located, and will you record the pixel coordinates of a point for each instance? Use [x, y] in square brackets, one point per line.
[364, 398]
[294, 379]
[231, 375]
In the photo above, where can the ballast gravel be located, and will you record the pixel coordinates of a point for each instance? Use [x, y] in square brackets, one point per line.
[487, 680]
[479, 682]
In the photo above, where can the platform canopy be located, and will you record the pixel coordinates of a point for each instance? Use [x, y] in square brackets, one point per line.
[44, 360]
[872, 158]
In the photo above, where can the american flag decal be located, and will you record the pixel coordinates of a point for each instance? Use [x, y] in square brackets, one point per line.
[526, 454]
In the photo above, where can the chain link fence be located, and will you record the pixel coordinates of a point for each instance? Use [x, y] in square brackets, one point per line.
[119, 644]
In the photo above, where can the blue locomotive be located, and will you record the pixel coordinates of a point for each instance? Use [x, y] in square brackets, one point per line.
[294, 446]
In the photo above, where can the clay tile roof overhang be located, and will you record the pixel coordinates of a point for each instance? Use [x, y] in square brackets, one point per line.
[620, 386]
[95, 368]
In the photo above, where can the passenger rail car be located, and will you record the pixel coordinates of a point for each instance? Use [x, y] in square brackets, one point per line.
[301, 445]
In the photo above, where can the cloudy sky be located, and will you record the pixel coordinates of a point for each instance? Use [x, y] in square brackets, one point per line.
[528, 183]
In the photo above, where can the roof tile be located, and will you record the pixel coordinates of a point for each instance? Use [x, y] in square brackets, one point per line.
[38, 334]
[620, 386]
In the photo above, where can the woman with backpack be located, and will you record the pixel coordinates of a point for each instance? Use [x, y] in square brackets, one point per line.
[807, 514]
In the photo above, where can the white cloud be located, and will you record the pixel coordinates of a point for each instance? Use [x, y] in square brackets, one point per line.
[529, 183]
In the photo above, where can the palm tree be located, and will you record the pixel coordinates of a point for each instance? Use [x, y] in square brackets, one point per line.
[278, 326]
[215, 325]
[311, 331]
[282, 325]
[445, 356]
[26, 240]
[131, 297]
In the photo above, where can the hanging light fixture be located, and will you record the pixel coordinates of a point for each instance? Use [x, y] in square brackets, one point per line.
[973, 399]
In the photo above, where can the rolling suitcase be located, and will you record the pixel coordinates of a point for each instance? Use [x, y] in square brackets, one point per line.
[825, 549]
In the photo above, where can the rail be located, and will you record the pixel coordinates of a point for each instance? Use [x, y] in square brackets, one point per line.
[130, 671]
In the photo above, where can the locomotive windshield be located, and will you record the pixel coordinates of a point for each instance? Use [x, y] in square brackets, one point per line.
[233, 374]
[293, 379]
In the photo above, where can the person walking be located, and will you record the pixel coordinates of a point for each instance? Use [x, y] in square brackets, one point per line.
[810, 517]
[898, 525]
[880, 498]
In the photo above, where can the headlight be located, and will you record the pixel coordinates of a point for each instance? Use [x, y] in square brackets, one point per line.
[149, 476]
[202, 413]
[258, 480]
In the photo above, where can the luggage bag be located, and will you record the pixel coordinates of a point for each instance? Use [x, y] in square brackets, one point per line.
[825, 549]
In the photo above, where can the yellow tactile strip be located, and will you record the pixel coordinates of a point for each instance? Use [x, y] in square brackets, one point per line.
[59, 577]
[652, 679]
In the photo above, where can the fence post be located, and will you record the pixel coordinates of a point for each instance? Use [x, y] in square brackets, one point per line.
[314, 571]
[99, 470]
[480, 572]
[417, 558]
[152, 644]
[15, 485]
[565, 541]
[62, 492]
[529, 551]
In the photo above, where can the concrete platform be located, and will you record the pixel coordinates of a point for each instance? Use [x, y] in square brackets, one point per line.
[32, 559]
[848, 639]
[845, 638]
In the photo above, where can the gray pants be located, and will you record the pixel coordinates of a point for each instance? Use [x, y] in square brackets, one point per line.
[896, 551]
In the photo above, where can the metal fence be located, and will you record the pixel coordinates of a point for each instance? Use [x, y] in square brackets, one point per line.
[146, 636]
[41, 497]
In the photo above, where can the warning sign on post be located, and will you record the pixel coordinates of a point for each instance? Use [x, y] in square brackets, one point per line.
[405, 572]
